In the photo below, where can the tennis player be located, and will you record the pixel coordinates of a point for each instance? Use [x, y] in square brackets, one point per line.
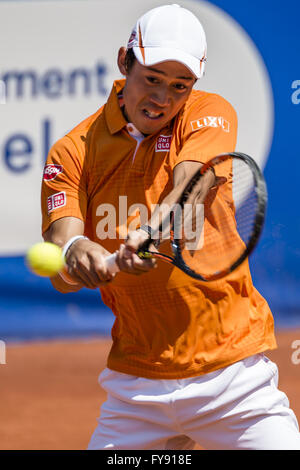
[187, 364]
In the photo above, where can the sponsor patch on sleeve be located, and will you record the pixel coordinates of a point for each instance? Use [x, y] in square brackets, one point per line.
[56, 201]
[51, 171]
[163, 143]
[210, 121]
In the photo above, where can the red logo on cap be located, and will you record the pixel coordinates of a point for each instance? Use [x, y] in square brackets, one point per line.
[163, 143]
[51, 171]
[131, 40]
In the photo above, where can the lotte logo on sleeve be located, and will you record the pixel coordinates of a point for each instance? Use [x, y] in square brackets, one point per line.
[51, 171]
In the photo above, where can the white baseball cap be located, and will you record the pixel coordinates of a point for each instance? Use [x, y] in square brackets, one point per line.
[170, 32]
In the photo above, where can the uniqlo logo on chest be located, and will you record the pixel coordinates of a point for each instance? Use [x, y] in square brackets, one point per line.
[56, 200]
[163, 143]
[51, 171]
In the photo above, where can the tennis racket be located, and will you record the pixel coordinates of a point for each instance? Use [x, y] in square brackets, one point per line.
[211, 238]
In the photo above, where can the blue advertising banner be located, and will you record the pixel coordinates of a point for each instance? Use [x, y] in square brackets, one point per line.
[54, 79]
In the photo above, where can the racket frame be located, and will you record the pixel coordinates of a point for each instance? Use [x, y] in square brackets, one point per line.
[261, 192]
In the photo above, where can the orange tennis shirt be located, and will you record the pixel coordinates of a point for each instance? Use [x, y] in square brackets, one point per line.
[167, 325]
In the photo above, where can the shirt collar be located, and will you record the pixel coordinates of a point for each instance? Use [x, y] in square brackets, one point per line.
[134, 132]
[113, 114]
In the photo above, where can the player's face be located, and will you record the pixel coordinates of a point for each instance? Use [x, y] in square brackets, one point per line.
[154, 95]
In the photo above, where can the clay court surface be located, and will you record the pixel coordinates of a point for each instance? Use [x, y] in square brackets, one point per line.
[50, 398]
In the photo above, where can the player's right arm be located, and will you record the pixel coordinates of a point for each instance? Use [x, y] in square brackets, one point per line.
[85, 265]
[64, 202]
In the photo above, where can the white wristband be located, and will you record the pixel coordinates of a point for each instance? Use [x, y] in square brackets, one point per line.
[64, 252]
[70, 242]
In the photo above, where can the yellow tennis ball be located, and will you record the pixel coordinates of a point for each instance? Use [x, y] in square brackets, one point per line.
[45, 259]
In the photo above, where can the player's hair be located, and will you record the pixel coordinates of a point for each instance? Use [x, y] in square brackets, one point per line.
[129, 60]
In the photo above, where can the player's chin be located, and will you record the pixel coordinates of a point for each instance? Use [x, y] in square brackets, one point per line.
[151, 126]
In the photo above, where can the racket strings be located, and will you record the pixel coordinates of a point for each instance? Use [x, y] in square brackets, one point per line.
[215, 235]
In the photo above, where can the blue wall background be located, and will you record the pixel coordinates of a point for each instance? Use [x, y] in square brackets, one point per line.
[274, 28]
[31, 309]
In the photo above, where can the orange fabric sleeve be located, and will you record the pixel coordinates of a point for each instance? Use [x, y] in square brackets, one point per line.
[64, 192]
[208, 128]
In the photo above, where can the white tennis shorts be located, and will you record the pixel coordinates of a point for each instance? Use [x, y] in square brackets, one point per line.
[238, 407]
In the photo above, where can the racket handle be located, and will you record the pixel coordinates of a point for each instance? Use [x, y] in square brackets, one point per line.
[112, 264]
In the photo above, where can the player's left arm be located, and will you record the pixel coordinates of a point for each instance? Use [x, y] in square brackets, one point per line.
[208, 129]
[127, 259]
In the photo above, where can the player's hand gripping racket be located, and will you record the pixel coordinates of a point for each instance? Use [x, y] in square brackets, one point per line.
[211, 236]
